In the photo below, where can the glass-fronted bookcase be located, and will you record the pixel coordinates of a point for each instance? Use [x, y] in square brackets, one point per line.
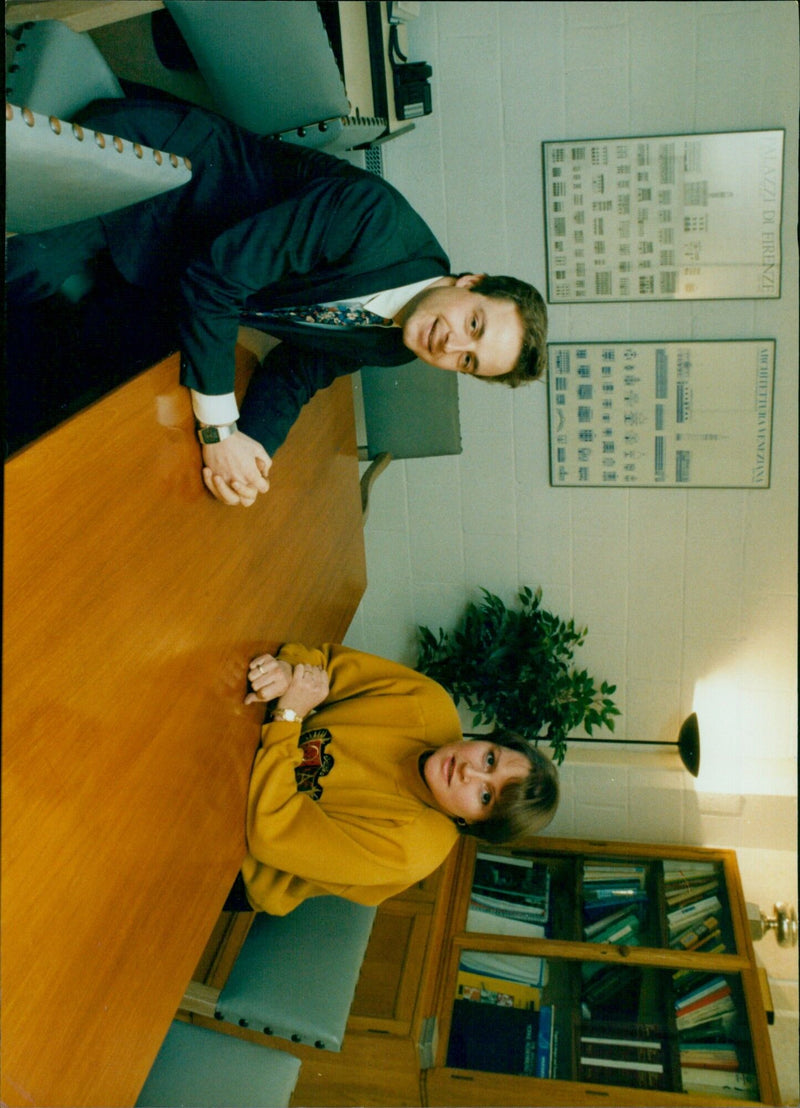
[583, 972]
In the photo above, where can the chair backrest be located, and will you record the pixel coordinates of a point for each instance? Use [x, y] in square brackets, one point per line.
[410, 411]
[208, 1068]
[57, 71]
[58, 172]
[270, 67]
[296, 975]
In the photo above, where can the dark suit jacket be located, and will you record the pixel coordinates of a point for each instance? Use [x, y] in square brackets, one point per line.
[263, 224]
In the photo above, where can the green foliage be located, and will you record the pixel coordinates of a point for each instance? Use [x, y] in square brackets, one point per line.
[514, 669]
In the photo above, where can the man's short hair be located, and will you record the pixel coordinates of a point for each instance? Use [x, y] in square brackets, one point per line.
[532, 360]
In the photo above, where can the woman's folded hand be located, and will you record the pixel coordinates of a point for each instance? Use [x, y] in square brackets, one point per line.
[269, 678]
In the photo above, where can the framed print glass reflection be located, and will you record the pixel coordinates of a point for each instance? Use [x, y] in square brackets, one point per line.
[661, 414]
[669, 217]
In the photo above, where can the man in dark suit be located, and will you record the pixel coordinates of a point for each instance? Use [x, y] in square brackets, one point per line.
[264, 226]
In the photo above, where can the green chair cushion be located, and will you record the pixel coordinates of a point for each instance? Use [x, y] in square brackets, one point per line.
[54, 176]
[57, 71]
[296, 975]
[205, 1069]
[270, 67]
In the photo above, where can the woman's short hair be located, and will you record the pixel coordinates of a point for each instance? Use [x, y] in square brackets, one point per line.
[523, 807]
[532, 360]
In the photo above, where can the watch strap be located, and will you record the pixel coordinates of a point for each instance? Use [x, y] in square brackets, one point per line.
[286, 715]
[209, 433]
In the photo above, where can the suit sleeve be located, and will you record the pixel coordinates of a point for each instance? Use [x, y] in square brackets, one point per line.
[334, 222]
[287, 379]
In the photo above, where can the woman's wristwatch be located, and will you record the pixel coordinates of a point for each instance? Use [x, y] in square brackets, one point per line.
[286, 715]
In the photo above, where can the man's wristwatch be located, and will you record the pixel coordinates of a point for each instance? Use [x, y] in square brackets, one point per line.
[209, 433]
[286, 715]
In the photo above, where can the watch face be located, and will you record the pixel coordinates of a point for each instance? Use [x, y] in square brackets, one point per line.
[210, 434]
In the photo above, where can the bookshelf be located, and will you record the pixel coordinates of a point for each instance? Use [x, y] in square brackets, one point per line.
[577, 972]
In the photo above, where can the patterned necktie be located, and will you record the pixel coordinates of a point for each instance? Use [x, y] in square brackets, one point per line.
[328, 315]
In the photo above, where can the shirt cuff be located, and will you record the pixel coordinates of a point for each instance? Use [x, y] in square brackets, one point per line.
[215, 409]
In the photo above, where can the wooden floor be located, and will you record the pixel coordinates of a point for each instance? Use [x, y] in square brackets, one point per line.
[132, 603]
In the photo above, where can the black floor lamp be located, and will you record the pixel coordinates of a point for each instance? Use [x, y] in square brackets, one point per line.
[688, 743]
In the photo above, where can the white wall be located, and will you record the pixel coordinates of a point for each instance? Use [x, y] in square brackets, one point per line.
[690, 595]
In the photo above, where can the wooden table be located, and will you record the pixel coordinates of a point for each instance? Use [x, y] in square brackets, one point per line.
[80, 15]
[133, 602]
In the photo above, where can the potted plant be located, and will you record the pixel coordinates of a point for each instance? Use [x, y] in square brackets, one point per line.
[514, 668]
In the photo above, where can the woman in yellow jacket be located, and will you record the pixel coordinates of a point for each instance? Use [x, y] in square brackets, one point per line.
[363, 781]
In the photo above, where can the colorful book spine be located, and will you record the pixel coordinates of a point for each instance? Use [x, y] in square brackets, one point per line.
[713, 1052]
[740, 1086]
[682, 917]
[612, 893]
[688, 896]
[716, 1030]
[730, 1064]
[606, 984]
[611, 1060]
[524, 968]
[499, 923]
[713, 982]
[623, 1052]
[686, 979]
[622, 1064]
[506, 908]
[600, 924]
[621, 931]
[503, 859]
[594, 909]
[554, 1058]
[516, 880]
[685, 881]
[497, 990]
[544, 1042]
[675, 870]
[703, 1001]
[711, 944]
[610, 1041]
[705, 1013]
[637, 869]
[635, 875]
[688, 939]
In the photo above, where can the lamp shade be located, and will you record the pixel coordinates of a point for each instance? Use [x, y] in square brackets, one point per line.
[689, 744]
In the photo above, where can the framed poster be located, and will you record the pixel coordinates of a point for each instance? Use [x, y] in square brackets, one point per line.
[661, 414]
[670, 217]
